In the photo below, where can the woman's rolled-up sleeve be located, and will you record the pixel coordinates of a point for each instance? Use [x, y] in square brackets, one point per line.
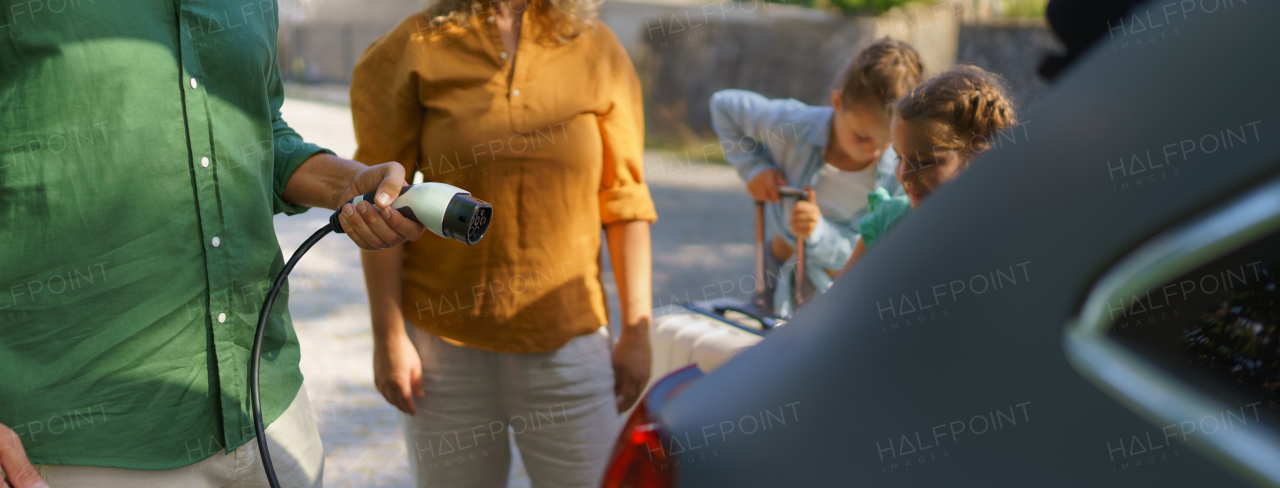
[385, 108]
[624, 195]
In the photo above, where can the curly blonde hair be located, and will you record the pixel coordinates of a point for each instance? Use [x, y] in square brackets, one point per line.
[565, 19]
[963, 109]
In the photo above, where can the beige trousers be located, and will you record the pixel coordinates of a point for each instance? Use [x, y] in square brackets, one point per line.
[296, 453]
[558, 406]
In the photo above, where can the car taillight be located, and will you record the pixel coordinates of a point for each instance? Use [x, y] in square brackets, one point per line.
[639, 460]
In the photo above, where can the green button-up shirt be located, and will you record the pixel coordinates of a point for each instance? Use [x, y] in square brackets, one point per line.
[142, 156]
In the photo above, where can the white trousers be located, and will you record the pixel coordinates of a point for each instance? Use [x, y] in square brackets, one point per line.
[296, 454]
[559, 405]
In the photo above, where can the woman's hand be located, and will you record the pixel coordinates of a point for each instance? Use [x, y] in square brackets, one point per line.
[632, 267]
[764, 187]
[805, 215]
[397, 371]
[631, 361]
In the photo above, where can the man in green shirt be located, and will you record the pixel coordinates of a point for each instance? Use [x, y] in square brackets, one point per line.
[142, 156]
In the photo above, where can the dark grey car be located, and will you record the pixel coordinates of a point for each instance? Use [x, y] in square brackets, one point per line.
[1094, 303]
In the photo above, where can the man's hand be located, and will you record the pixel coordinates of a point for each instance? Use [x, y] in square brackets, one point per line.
[397, 371]
[377, 226]
[15, 470]
[631, 361]
[805, 215]
[328, 181]
[764, 187]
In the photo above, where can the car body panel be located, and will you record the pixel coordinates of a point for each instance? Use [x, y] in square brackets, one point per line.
[1046, 206]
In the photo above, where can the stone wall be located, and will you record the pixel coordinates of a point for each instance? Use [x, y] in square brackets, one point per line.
[778, 57]
[325, 51]
[320, 40]
[685, 50]
[783, 59]
[801, 59]
[1013, 49]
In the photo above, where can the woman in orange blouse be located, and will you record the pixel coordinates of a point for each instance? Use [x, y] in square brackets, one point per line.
[534, 107]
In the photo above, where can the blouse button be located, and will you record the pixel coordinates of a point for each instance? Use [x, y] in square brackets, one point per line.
[490, 19]
[515, 93]
[193, 83]
[222, 317]
[502, 55]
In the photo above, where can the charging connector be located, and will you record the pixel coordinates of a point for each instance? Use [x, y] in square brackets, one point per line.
[446, 210]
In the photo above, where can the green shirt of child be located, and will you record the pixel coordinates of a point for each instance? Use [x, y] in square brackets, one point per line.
[883, 214]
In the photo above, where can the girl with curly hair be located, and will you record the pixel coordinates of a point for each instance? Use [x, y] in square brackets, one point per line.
[939, 128]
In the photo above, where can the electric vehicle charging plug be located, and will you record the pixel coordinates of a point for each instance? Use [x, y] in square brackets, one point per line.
[448, 211]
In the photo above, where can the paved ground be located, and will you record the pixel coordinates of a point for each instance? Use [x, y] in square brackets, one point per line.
[702, 249]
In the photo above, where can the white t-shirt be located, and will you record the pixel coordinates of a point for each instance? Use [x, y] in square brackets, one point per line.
[842, 194]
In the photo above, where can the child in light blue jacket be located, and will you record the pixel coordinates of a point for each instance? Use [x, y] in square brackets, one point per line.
[838, 154]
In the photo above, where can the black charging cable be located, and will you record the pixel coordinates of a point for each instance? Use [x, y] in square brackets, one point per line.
[445, 210]
[255, 398]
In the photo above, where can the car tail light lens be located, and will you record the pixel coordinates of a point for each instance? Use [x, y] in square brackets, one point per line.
[638, 459]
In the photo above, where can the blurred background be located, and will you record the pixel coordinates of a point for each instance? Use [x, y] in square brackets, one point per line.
[684, 50]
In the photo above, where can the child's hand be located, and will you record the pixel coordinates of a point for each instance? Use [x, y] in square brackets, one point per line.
[764, 187]
[805, 215]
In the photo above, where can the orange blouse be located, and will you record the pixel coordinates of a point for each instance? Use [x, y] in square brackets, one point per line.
[557, 151]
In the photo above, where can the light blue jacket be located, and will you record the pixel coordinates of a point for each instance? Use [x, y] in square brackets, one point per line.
[758, 134]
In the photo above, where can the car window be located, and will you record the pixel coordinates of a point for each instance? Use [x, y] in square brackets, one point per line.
[1182, 330]
[1217, 328]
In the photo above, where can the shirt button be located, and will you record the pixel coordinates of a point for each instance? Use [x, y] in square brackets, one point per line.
[216, 241]
[193, 83]
[490, 19]
[222, 317]
[204, 162]
[515, 92]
